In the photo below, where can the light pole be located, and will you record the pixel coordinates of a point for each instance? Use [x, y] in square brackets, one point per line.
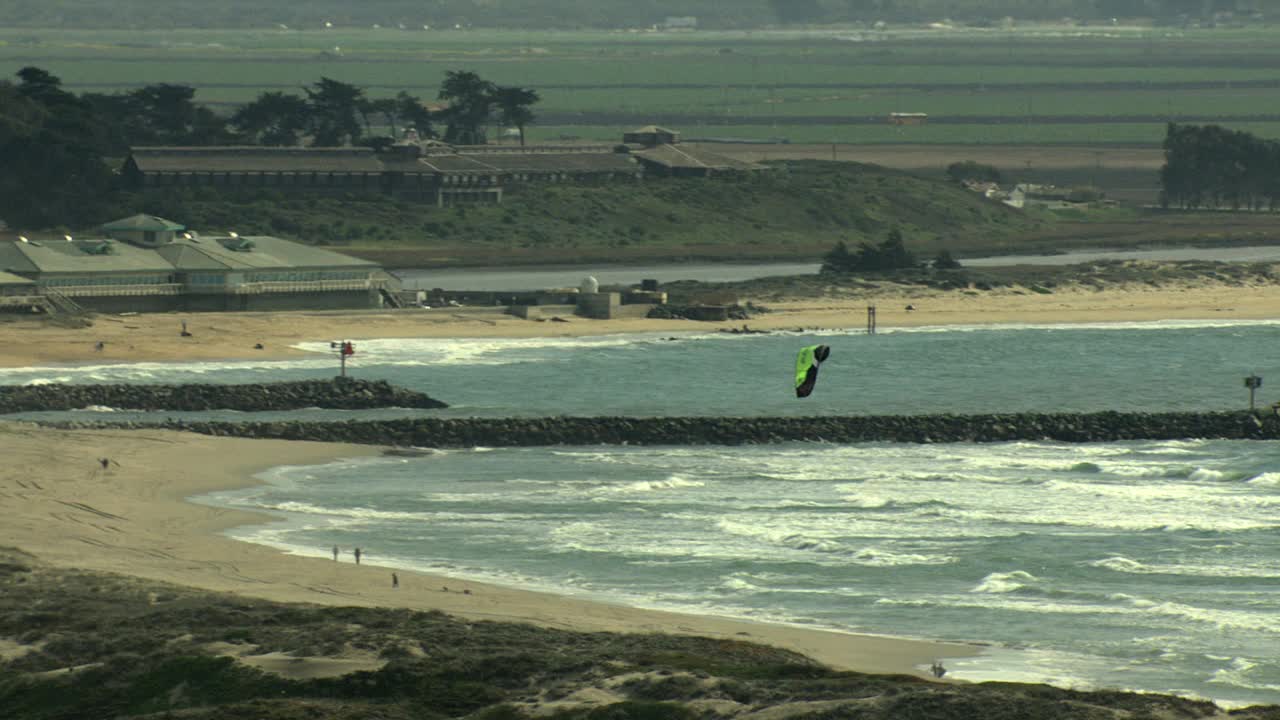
[1253, 382]
[344, 348]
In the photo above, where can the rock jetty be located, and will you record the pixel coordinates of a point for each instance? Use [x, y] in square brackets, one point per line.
[338, 393]
[510, 432]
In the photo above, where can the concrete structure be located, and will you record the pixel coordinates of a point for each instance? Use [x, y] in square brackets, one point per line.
[413, 170]
[659, 151]
[651, 135]
[1026, 195]
[599, 305]
[679, 22]
[149, 264]
[18, 293]
[673, 160]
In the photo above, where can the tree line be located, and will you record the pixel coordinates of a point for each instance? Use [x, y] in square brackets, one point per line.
[54, 143]
[334, 113]
[413, 14]
[1208, 166]
[887, 255]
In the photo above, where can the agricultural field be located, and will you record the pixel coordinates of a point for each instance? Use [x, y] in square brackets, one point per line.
[1040, 85]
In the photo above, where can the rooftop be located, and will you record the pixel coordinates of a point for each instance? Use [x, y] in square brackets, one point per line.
[255, 159]
[681, 156]
[144, 223]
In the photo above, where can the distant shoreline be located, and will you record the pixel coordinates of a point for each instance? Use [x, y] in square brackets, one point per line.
[28, 342]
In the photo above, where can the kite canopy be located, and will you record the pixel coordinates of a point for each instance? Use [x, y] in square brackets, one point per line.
[807, 363]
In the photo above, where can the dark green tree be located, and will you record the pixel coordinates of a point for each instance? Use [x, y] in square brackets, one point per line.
[51, 156]
[838, 261]
[335, 107]
[20, 116]
[414, 114]
[944, 261]
[161, 114]
[891, 254]
[970, 170]
[274, 118]
[515, 107]
[470, 101]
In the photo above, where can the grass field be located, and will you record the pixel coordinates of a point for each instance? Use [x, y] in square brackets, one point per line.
[1049, 85]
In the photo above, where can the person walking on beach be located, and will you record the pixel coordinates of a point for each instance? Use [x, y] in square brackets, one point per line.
[395, 581]
[335, 553]
[357, 554]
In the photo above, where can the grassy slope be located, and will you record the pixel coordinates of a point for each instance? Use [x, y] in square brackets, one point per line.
[800, 210]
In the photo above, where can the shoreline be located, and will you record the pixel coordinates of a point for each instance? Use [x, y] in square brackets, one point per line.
[235, 336]
[137, 519]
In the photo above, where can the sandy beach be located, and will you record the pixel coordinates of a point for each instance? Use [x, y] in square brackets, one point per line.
[226, 336]
[134, 518]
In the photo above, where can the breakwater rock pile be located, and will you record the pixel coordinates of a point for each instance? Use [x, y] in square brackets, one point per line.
[338, 393]
[510, 432]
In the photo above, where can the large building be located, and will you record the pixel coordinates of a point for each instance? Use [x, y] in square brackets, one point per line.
[435, 173]
[148, 264]
[420, 170]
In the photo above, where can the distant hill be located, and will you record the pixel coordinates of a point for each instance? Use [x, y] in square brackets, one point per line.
[710, 14]
[799, 210]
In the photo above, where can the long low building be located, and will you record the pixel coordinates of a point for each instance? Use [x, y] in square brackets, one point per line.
[149, 264]
[427, 171]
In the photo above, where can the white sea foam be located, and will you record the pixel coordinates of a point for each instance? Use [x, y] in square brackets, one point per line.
[879, 557]
[1211, 475]
[1121, 564]
[474, 351]
[1005, 582]
[48, 381]
[358, 513]
[1240, 674]
[644, 486]
[1266, 479]
[1220, 619]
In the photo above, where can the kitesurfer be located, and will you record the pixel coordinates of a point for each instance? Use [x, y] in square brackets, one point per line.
[807, 363]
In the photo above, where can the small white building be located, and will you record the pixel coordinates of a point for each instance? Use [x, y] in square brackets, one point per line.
[681, 22]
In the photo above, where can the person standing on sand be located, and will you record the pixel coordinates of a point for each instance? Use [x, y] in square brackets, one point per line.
[335, 553]
[357, 554]
[395, 581]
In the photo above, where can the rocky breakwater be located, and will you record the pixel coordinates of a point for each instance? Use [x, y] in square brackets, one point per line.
[499, 432]
[338, 393]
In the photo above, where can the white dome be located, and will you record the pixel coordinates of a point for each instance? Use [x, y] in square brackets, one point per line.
[589, 285]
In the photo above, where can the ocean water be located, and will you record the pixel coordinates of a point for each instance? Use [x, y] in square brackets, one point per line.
[1148, 566]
